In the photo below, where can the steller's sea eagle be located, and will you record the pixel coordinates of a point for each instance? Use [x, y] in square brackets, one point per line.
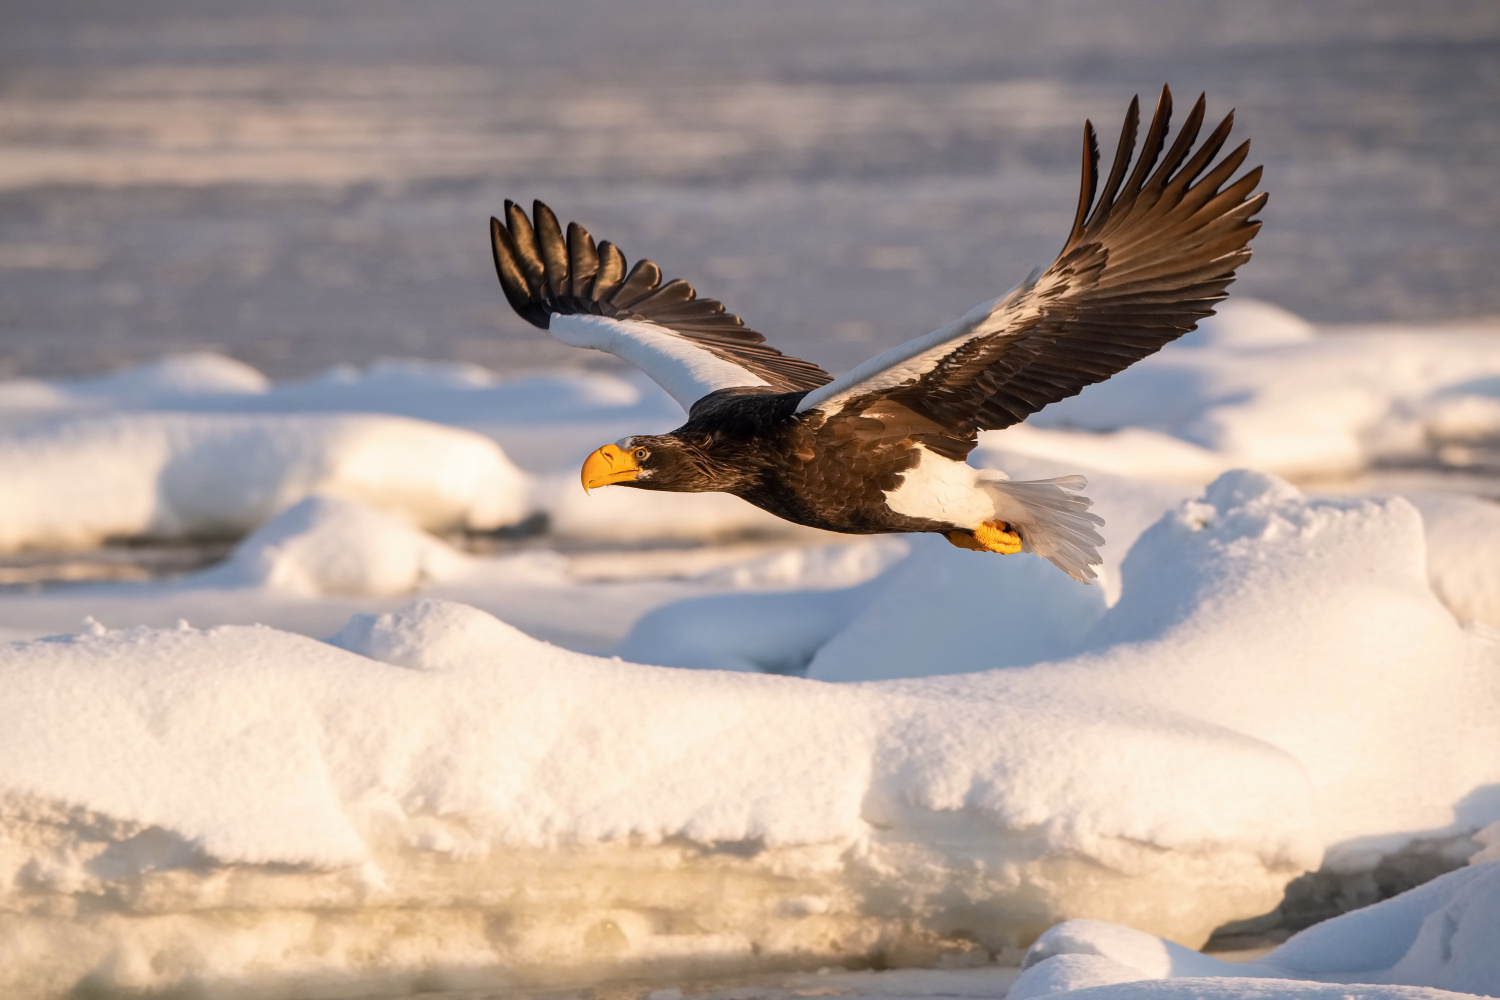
[882, 447]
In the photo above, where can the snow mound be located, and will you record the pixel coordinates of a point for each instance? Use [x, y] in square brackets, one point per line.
[991, 612]
[1488, 840]
[1307, 624]
[1463, 554]
[446, 798]
[174, 380]
[775, 633]
[1439, 935]
[1276, 615]
[76, 481]
[1245, 322]
[546, 422]
[326, 545]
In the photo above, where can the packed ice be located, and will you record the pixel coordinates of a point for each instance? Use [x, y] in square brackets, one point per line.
[439, 719]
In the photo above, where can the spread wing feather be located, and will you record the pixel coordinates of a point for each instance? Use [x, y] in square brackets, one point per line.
[1141, 266]
[583, 293]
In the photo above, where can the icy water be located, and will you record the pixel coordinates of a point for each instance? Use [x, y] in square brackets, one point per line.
[301, 185]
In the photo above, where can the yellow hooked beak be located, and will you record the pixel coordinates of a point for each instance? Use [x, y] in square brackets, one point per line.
[607, 466]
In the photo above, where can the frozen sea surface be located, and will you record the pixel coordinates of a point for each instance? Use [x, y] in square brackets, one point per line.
[300, 185]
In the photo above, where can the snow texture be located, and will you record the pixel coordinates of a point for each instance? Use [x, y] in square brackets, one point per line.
[74, 481]
[1265, 681]
[1440, 935]
[1209, 740]
[441, 760]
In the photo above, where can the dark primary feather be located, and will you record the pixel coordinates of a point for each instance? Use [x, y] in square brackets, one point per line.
[1141, 266]
[544, 272]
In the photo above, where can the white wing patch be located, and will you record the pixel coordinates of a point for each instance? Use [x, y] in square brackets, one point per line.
[915, 358]
[687, 371]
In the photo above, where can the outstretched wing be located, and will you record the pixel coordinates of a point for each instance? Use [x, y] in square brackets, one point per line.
[1140, 268]
[582, 293]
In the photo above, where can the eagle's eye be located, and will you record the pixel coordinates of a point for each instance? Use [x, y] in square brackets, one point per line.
[640, 454]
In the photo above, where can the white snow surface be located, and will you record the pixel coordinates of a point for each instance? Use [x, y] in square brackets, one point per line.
[1216, 731]
[1440, 936]
[453, 791]
[73, 482]
[200, 445]
[441, 761]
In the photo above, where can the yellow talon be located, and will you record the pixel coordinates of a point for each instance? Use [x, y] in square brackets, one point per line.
[996, 536]
[965, 540]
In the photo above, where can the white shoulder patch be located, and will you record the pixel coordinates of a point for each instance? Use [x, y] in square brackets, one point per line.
[687, 371]
[915, 358]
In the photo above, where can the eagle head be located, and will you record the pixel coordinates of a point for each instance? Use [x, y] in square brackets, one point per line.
[650, 462]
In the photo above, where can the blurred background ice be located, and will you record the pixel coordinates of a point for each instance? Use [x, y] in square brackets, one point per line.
[298, 184]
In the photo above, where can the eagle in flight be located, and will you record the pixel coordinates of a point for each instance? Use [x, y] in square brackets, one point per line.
[882, 447]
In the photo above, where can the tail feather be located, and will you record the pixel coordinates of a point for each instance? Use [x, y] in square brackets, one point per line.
[1053, 521]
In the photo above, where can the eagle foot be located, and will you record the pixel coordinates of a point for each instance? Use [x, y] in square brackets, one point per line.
[991, 536]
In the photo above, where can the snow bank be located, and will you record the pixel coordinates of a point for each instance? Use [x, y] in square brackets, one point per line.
[1463, 554]
[545, 422]
[991, 612]
[436, 799]
[175, 380]
[447, 798]
[188, 414]
[1309, 624]
[75, 481]
[776, 632]
[1440, 935]
[326, 545]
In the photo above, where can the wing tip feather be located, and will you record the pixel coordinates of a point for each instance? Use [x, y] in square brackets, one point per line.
[542, 271]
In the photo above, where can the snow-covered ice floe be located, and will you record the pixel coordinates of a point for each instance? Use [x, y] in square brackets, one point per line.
[75, 482]
[200, 445]
[434, 797]
[967, 749]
